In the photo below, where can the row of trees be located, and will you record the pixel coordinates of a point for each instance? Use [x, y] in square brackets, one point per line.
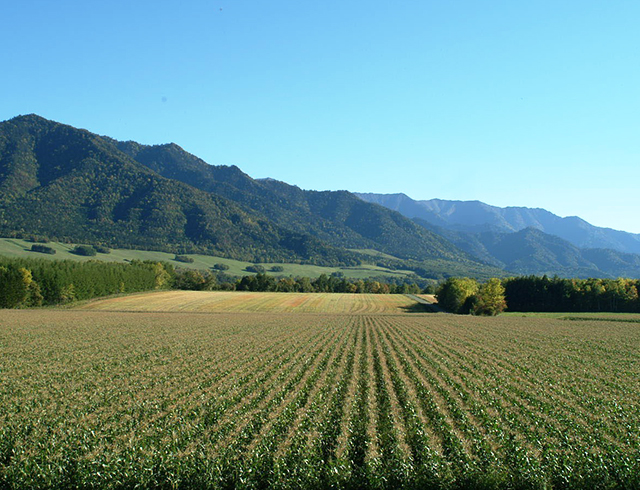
[206, 281]
[539, 294]
[36, 282]
[555, 294]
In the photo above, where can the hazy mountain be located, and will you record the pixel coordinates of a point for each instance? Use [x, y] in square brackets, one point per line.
[531, 251]
[476, 216]
[67, 183]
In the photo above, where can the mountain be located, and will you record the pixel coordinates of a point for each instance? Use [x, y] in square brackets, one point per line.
[339, 217]
[70, 184]
[67, 183]
[476, 216]
[528, 250]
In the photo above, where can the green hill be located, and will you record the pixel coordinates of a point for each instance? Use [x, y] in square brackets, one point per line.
[71, 185]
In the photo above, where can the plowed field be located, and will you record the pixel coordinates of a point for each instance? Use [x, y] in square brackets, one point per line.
[123, 400]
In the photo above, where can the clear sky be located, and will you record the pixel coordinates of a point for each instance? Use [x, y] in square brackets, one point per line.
[512, 103]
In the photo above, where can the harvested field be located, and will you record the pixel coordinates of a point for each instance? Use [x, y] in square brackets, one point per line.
[99, 399]
[238, 301]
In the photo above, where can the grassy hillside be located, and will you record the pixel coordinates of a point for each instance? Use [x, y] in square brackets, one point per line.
[14, 247]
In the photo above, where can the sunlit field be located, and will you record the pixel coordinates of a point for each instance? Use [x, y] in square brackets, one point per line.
[102, 399]
[237, 301]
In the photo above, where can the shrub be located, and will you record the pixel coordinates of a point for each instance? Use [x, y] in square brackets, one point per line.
[42, 249]
[85, 250]
[257, 268]
[276, 268]
[183, 258]
[221, 267]
[101, 249]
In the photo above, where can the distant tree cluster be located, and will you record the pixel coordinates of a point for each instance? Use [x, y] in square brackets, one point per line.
[207, 281]
[321, 284]
[183, 258]
[539, 294]
[533, 293]
[465, 295]
[85, 250]
[43, 249]
[36, 282]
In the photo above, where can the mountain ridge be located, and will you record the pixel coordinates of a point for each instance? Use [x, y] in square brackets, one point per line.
[477, 216]
[60, 181]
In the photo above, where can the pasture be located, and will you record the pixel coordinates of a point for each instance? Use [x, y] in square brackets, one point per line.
[171, 399]
[18, 248]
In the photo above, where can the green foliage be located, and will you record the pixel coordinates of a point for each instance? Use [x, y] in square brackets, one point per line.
[13, 287]
[42, 249]
[276, 268]
[184, 258]
[221, 267]
[84, 250]
[32, 282]
[257, 268]
[458, 295]
[102, 249]
[490, 300]
[544, 294]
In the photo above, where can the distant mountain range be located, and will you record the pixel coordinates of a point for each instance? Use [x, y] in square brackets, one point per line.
[523, 240]
[69, 184]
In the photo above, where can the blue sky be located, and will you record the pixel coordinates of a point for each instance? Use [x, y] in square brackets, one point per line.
[512, 103]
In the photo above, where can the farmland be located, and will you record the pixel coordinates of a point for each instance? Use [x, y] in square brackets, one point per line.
[113, 399]
[218, 301]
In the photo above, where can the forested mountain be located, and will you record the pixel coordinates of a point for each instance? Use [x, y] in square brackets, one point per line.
[476, 216]
[339, 218]
[67, 183]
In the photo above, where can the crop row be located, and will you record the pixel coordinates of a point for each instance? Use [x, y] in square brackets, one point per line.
[113, 400]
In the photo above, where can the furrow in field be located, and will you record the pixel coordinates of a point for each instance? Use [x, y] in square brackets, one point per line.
[521, 409]
[261, 390]
[464, 413]
[150, 410]
[288, 412]
[468, 389]
[254, 414]
[436, 407]
[389, 406]
[350, 402]
[525, 393]
[308, 432]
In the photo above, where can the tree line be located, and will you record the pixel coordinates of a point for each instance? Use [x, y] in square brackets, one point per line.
[37, 282]
[538, 294]
[28, 282]
[207, 281]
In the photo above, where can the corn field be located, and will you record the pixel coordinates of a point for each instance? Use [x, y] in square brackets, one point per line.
[253, 400]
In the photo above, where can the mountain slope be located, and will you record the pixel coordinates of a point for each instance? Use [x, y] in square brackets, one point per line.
[476, 216]
[70, 184]
[338, 218]
[531, 251]
[62, 182]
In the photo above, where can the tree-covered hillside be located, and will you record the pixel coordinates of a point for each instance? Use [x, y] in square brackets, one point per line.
[66, 183]
[71, 185]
